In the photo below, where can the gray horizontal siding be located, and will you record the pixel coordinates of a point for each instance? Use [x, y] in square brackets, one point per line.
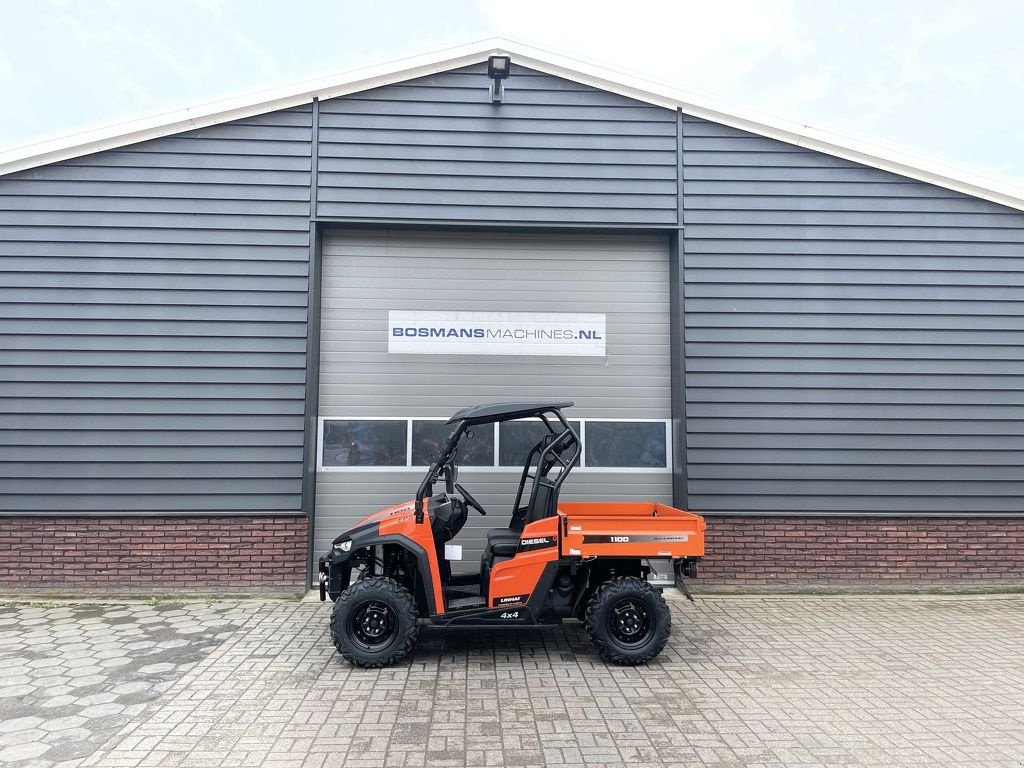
[153, 301]
[853, 338]
[554, 152]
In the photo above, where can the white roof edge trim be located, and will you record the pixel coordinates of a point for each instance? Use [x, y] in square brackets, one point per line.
[239, 107]
[800, 135]
[631, 86]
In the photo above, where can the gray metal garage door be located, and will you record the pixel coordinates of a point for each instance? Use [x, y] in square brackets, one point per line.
[379, 412]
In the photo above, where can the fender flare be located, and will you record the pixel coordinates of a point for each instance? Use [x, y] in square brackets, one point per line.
[360, 540]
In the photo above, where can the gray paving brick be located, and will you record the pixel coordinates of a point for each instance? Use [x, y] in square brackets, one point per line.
[73, 683]
[811, 681]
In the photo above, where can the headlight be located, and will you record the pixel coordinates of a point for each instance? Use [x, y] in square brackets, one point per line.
[346, 545]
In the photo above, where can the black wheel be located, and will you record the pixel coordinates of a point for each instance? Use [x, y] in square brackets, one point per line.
[628, 621]
[374, 622]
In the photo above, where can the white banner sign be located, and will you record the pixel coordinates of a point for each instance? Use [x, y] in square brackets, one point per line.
[495, 333]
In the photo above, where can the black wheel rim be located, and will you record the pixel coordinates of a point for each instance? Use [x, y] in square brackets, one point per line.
[630, 623]
[372, 625]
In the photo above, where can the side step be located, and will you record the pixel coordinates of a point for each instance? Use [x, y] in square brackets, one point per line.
[454, 593]
[464, 603]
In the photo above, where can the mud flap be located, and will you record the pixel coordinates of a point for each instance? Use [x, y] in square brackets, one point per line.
[322, 577]
[683, 569]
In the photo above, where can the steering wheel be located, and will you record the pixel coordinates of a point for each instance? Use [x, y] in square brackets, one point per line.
[470, 500]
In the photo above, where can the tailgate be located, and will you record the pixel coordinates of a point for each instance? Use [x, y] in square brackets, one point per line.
[629, 529]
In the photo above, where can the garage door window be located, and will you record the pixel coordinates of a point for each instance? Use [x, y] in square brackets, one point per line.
[516, 438]
[626, 444]
[365, 443]
[428, 436]
[411, 443]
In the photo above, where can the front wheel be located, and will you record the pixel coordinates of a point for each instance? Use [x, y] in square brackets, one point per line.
[628, 621]
[374, 623]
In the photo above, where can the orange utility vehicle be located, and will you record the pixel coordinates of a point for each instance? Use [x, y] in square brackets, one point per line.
[604, 563]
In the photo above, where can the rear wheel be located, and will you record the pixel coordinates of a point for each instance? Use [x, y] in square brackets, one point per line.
[628, 621]
[374, 622]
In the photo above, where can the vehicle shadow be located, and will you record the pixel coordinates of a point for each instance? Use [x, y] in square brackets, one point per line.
[693, 641]
[557, 644]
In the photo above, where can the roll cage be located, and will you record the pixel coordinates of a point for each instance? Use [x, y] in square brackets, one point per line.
[556, 448]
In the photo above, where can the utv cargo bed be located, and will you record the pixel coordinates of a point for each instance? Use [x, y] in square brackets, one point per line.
[629, 529]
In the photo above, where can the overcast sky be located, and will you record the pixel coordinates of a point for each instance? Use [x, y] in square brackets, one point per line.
[940, 79]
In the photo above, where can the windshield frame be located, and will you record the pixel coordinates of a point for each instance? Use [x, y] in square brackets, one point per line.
[444, 458]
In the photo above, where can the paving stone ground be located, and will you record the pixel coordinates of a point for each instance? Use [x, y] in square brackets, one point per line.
[753, 681]
[71, 676]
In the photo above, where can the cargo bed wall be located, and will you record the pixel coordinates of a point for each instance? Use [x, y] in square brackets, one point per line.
[624, 529]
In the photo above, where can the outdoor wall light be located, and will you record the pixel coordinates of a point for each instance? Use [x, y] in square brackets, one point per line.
[498, 68]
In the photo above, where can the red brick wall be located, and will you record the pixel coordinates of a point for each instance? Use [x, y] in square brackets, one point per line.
[153, 555]
[831, 550]
[268, 554]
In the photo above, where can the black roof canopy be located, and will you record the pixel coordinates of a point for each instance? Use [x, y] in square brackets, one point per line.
[482, 414]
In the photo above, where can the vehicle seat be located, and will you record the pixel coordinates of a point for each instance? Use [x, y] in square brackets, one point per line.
[502, 542]
[501, 546]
